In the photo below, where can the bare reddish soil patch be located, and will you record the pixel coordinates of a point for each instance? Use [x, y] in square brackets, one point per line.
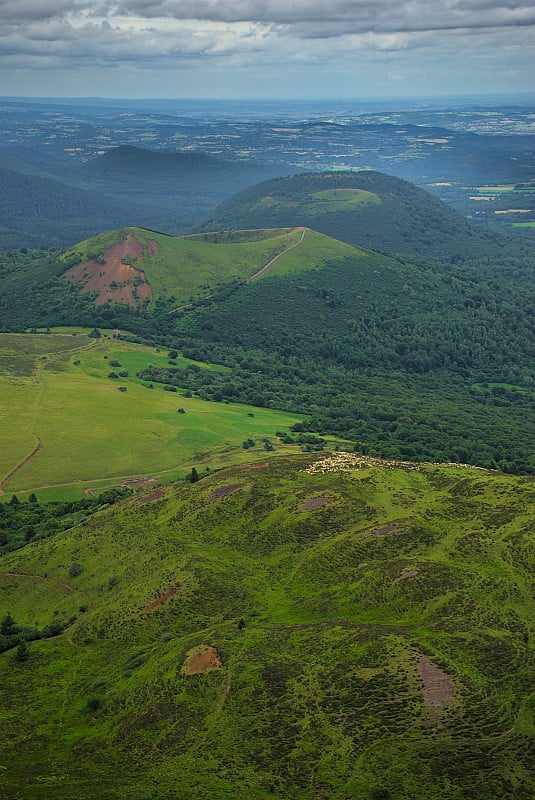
[439, 688]
[160, 600]
[256, 466]
[152, 247]
[222, 491]
[314, 502]
[385, 529]
[156, 495]
[201, 659]
[411, 573]
[114, 281]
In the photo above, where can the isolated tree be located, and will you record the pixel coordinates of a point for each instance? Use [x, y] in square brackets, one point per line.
[32, 498]
[7, 623]
[22, 652]
[194, 475]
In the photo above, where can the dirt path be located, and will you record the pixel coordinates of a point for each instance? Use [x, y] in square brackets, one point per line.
[270, 263]
[257, 274]
[20, 465]
[38, 396]
[85, 595]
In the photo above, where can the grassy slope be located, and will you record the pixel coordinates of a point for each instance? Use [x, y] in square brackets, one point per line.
[91, 432]
[319, 695]
[188, 268]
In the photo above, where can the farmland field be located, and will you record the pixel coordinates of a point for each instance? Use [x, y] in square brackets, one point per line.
[65, 426]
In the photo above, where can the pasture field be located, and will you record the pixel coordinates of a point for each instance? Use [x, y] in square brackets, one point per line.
[324, 627]
[315, 204]
[66, 427]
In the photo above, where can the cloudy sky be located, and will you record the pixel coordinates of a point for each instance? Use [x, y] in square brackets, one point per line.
[266, 48]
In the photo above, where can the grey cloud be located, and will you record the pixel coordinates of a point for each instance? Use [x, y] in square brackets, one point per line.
[28, 10]
[315, 18]
[99, 43]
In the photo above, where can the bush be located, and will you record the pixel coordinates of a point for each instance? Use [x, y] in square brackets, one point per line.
[22, 653]
[75, 569]
[93, 704]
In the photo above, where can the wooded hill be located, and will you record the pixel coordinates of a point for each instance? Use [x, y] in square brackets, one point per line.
[58, 205]
[380, 212]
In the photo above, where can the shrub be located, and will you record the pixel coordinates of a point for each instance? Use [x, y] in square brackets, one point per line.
[75, 569]
[93, 704]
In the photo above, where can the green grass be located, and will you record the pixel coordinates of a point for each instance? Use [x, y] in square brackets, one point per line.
[328, 201]
[319, 694]
[190, 268]
[523, 224]
[92, 434]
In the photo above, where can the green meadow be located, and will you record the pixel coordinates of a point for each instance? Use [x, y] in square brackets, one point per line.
[65, 426]
[312, 204]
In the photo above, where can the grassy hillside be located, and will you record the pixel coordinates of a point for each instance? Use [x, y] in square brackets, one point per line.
[185, 269]
[302, 630]
[74, 428]
[377, 211]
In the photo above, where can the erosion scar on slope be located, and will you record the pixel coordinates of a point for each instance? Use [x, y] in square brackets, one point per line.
[439, 688]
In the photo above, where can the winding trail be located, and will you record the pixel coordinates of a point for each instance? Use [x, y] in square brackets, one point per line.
[270, 263]
[257, 274]
[21, 464]
[63, 585]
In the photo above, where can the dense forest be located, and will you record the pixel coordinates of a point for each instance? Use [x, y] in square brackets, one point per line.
[407, 220]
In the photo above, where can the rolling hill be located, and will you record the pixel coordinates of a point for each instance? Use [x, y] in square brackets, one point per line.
[405, 358]
[56, 205]
[324, 627]
[376, 211]
[136, 266]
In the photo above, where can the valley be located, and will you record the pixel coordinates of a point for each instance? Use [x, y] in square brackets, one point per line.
[266, 451]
